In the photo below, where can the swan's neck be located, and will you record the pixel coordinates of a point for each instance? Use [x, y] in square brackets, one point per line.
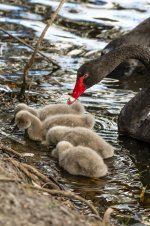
[136, 111]
[35, 130]
[107, 63]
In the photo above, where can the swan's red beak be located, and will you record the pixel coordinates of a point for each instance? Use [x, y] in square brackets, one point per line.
[78, 90]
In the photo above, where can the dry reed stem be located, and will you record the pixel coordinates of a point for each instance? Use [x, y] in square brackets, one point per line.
[37, 46]
[106, 217]
[21, 167]
[9, 150]
[6, 179]
[45, 179]
[35, 176]
[67, 194]
[29, 170]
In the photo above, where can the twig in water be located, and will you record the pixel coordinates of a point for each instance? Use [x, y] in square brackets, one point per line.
[32, 58]
[31, 47]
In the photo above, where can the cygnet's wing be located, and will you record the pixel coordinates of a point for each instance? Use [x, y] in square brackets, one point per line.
[83, 165]
[73, 137]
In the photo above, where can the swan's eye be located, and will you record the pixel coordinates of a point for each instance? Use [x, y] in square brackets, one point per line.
[85, 76]
[79, 74]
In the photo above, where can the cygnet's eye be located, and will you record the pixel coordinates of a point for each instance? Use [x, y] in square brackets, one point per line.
[21, 122]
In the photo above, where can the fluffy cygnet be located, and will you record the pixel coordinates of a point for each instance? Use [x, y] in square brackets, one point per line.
[37, 130]
[52, 109]
[79, 160]
[71, 120]
[26, 120]
[25, 107]
[80, 136]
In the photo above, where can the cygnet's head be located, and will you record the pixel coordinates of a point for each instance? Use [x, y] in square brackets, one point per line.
[23, 120]
[20, 107]
[61, 146]
[78, 107]
[90, 120]
[25, 107]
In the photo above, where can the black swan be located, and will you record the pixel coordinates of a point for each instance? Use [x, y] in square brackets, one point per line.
[134, 118]
[139, 35]
[79, 160]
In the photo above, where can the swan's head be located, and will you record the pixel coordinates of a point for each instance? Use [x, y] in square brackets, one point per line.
[23, 120]
[86, 77]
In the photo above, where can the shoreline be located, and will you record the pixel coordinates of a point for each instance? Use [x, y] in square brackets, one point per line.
[21, 205]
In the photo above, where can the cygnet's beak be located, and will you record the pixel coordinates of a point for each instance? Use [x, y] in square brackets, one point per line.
[12, 121]
[15, 129]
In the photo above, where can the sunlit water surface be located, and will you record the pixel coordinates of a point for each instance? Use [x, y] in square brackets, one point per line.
[82, 29]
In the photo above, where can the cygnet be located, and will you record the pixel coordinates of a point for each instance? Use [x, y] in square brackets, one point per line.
[80, 136]
[79, 160]
[71, 120]
[51, 109]
[37, 130]
[26, 120]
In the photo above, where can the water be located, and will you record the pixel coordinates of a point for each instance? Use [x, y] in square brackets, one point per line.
[80, 32]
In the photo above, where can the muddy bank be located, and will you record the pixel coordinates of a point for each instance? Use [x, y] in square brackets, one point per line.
[21, 205]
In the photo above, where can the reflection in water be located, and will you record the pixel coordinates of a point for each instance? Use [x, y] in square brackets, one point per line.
[140, 155]
[80, 32]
